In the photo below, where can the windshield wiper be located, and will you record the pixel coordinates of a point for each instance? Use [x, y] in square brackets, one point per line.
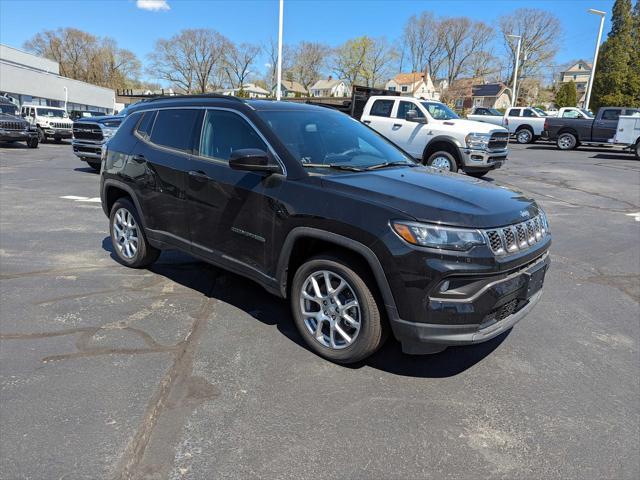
[391, 164]
[336, 166]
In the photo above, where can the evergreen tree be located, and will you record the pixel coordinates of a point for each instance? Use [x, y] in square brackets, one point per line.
[634, 74]
[614, 76]
[567, 95]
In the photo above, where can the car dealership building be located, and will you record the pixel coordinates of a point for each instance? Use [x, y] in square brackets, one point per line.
[30, 79]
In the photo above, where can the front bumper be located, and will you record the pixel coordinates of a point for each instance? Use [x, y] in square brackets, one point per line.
[17, 135]
[57, 132]
[87, 149]
[500, 303]
[482, 160]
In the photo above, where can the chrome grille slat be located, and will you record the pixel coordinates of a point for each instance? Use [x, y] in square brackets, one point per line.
[517, 237]
[13, 125]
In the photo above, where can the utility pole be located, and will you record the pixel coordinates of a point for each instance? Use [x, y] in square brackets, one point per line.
[515, 71]
[279, 81]
[595, 56]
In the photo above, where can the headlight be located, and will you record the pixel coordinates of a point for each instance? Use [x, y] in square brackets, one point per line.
[478, 141]
[108, 132]
[45, 123]
[544, 220]
[436, 236]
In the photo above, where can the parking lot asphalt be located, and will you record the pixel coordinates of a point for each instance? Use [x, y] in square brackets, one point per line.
[186, 371]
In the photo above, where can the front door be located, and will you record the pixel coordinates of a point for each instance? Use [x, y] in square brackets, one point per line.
[605, 126]
[229, 210]
[379, 117]
[410, 136]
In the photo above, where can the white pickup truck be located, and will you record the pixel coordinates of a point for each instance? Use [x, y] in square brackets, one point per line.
[435, 135]
[628, 133]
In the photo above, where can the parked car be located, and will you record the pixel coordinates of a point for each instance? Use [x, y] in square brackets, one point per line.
[13, 128]
[89, 135]
[50, 122]
[432, 133]
[480, 114]
[78, 114]
[552, 112]
[318, 208]
[628, 133]
[570, 133]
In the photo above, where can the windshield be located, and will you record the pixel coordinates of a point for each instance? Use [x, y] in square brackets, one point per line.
[326, 138]
[439, 111]
[10, 109]
[586, 112]
[52, 112]
[540, 112]
[493, 111]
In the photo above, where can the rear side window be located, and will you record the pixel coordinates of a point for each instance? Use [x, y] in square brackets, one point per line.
[145, 125]
[381, 108]
[514, 112]
[174, 128]
[610, 114]
[224, 132]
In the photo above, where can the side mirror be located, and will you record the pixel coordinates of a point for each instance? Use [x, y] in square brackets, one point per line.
[412, 116]
[252, 160]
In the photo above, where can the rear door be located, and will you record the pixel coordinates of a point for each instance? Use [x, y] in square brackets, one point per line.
[158, 167]
[410, 136]
[230, 211]
[379, 116]
[513, 119]
[604, 127]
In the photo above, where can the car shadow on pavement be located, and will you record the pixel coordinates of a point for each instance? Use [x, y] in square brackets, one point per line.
[86, 170]
[250, 297]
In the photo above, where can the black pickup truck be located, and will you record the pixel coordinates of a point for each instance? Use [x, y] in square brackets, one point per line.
[570, 133]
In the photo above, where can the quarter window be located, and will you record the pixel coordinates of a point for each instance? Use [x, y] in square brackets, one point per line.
[174, 128]
[145, 125]
[381, 108]
[224, 132]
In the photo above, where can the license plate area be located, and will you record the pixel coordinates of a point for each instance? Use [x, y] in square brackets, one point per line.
[535, 280]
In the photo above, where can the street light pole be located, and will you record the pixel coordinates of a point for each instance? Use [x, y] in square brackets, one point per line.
[515, 70]
[595, 56]
[279, 81]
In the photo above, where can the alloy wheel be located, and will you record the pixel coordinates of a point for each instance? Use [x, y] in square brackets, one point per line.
[330, 309]
[523, 136]
[442, 163]
[125, 233]
[566, 142]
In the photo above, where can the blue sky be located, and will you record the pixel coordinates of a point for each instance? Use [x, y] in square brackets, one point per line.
[328, 21]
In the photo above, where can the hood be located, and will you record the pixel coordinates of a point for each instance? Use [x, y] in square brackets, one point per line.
[106, 120]
[431, 195]
[5, 117]
[474, 127]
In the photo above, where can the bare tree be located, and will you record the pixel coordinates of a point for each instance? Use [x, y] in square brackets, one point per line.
[239, 61]
[349, 59]
[309, 60]
[271, 50]
[540, 31]
[463, 39]
[378, 61]
[86, 57]
[423, 41]
[189, 59]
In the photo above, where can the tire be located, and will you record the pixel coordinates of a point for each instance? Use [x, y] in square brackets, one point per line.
[477, 174]
[566, 141]
[95, 165]
[366, 335]
[41, 135]
[33, 142]
[637, 150]
[125, 215]
[524, 135]
[443, 160]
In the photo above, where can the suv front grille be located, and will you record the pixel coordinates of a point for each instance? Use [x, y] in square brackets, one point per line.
[498, 141]
[60, 125]
[13, 125]
[87, 131]
[518, 237]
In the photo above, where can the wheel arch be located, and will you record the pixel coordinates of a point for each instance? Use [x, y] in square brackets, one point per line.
[114, 190]
[526, 126]
[303, 242]
[443, 143]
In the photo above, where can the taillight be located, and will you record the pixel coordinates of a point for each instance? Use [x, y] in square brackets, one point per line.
[546, 124]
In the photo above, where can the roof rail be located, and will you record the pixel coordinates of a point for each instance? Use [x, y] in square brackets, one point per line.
[196, 95]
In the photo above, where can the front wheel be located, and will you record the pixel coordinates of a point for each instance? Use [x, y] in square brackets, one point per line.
[524, 135]
[32, 142]
[567, 141]
[41, 135]
[335, 311]
[637, 150]
[443, 161]
[478, 174]
[127, 236]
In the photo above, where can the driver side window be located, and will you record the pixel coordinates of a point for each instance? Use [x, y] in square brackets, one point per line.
[405, 107]
[224, 132]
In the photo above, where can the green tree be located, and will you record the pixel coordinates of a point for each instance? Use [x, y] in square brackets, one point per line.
[567, 95]
[634, 75]
[614, 79]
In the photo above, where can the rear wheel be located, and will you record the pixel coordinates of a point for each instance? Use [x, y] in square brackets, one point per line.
[32, 142]
[567, 141]
[524, 135]
[637, 150]
[443, 161]
[127, 236]
[335, 311]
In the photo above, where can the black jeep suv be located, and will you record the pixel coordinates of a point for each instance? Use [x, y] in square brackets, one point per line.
[318, 208]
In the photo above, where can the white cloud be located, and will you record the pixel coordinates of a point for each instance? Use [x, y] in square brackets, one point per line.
[153, 5]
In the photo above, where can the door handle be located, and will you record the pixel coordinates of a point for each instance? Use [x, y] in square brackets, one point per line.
[366, 121]
[397, 125]
[199, 174]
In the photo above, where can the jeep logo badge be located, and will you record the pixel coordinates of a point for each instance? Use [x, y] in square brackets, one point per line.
[524, 214]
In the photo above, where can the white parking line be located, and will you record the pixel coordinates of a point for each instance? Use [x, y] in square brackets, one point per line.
[635, 215]
[81, 199]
